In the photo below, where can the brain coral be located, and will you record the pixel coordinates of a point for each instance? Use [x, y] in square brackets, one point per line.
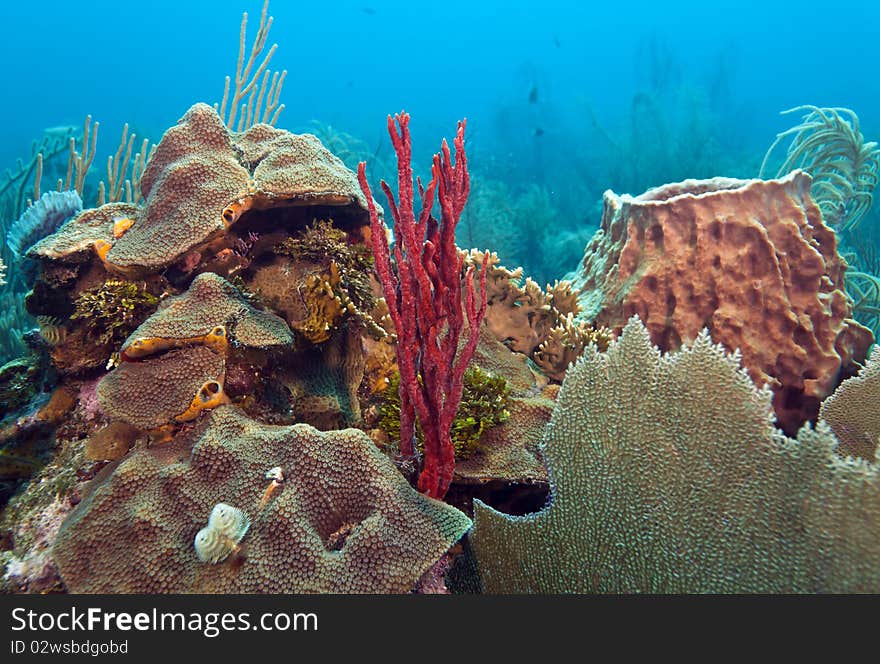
[202, 178]
[668, 476]
[344, 520]
[211, 301]
[751, 260]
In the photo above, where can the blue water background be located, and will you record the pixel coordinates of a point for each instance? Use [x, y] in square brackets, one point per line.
[731, 65]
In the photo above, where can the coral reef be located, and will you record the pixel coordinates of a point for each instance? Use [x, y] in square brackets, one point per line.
[322, 242]
[539, 323]
[110, 443]
[173, 365]
[233, 376]
[40, 219]
[323, 382]
[751, 260]
[20, 380]
[35, 571]
[506, 470]
[668, 476]
[344, 520]
[30, 521]
[209, 303]
[89, 230]
[199, 181]
[28, 442]
[111, 311]
[484, 402]
[157, 392]
[318, 281]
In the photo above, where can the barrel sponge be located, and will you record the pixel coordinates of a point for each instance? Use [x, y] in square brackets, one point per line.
[211, 301]
[152, 393]
[667, 475]
[80, 233]
[751, 260]
[857, 427]
[344, 520]
[190, 179]
[297, 167]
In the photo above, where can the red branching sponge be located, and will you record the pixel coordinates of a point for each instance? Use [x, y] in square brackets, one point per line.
[423, 290]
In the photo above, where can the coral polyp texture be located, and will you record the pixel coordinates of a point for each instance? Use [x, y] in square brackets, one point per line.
[209, 303]
[344, 519]
[508, 450]
[82, 233]
[296, 168]
[668, 476]
[199, 181]
[751, 260]
[174, 364]
[190, 179]
[852, 413]
[153, 393]
[231, 375]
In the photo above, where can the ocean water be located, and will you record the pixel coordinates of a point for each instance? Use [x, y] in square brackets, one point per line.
[540, 83]
[564, 100]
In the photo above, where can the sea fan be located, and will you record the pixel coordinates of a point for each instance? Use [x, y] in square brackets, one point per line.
[42, 219]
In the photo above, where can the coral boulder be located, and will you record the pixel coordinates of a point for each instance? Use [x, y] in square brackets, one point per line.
[174, 364]
[203, 178]
[344, 520]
